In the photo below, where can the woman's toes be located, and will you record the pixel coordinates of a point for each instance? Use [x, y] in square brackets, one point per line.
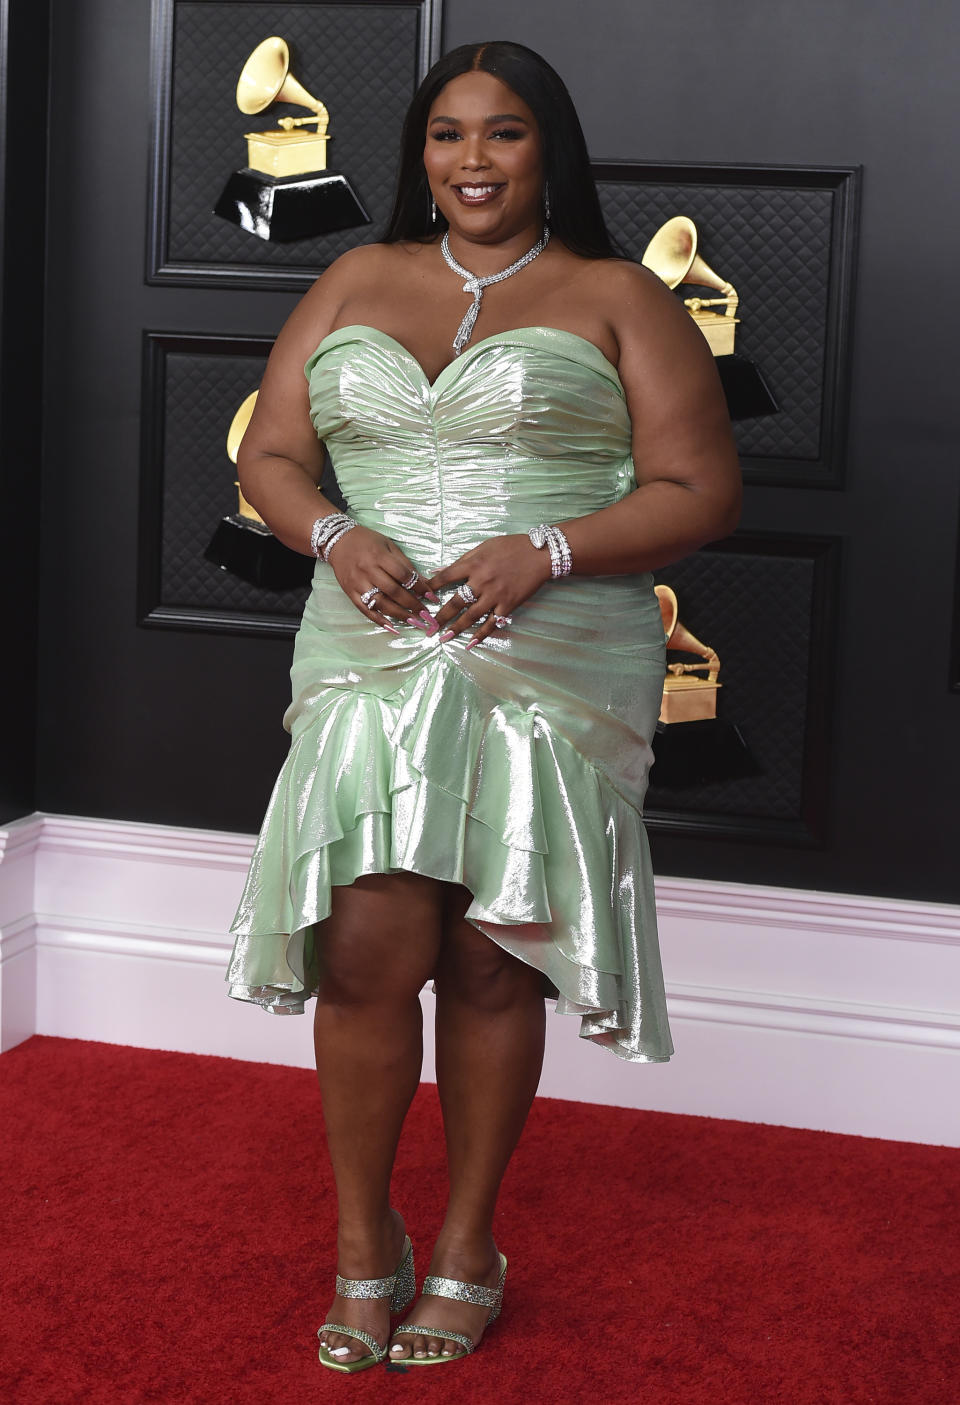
[450, 1349]
[434, 1345]
[343, 1348]
[400, 1349]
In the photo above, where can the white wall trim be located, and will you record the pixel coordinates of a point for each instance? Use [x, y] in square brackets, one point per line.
[839, 913]
[801, 1008]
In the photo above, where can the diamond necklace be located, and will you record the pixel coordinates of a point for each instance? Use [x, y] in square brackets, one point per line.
[475, 285]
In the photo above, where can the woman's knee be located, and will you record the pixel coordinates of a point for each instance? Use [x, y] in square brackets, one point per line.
[475, 971]
[378, 947]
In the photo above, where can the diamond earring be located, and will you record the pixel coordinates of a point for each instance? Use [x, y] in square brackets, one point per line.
[546, 202]
[433, 211]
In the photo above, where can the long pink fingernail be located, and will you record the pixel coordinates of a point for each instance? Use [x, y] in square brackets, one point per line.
[417, 624]
[447, 634]
[473, 643]
[390, 628]
[426, 615]
[429, 595]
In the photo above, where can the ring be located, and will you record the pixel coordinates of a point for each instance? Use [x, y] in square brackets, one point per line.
[467, 595]
[501, 621]
[411, 581]
[368, 597]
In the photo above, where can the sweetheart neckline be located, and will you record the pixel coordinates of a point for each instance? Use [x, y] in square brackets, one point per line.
[462, 360]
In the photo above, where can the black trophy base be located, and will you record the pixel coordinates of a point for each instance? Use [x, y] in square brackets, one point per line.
[255, 555]
[747, 392]
[700, 753]
[282, 209]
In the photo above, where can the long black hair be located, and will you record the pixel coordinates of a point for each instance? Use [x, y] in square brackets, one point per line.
[575, 215]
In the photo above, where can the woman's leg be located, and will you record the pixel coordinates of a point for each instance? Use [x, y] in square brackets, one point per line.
[490, 1033]
[377, 950]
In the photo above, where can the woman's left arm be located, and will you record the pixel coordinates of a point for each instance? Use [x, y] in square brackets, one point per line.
[684, 455]
[685, 460]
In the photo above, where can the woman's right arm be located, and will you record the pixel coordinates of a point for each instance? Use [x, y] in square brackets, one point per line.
[281, 459]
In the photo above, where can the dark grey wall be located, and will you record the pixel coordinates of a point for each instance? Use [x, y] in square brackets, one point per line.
[185, 728]
[24, 30]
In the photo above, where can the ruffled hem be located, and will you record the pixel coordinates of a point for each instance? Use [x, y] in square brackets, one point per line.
[442, 780]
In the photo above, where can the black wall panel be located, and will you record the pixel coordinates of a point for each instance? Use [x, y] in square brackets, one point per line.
[184, 727]
[24, 30]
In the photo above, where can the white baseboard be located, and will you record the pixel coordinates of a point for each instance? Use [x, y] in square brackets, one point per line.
[804, 1009]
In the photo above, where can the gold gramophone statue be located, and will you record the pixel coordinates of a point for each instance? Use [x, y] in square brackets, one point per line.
[243, 544]
[285, 191]
[692, 745]
[686, 698]
[672, 255]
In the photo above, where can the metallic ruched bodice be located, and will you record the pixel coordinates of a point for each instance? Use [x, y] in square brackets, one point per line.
[525, 427]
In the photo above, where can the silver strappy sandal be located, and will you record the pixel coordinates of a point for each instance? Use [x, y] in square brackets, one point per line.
[400, 1287]
[464, 1293]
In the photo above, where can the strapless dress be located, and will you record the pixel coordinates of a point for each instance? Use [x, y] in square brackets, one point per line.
[517, 769]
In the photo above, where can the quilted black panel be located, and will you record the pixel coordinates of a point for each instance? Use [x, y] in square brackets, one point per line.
[360, 60]
[756, 611]
[202, 395]
[774, 245]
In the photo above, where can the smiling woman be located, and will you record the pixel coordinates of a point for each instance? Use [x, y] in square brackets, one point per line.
[462, 799]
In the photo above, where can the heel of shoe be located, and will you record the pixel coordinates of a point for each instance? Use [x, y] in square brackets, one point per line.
[495, 1311]
[405, 1284]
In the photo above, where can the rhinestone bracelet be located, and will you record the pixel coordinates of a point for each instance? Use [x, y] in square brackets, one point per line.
[327, 531]
[332, 541]
[561, 559]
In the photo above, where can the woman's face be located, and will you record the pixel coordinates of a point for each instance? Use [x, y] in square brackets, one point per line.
[483, 158]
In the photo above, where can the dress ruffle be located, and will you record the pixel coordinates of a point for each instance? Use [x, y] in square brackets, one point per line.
[443, 780]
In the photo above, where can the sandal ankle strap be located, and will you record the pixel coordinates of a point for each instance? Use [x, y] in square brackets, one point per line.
[365, 1287]
[373, 1287]
[477, 1293]
[462, 1292]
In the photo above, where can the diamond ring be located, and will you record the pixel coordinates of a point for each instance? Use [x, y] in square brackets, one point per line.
[501, 621]
[411, 581]
[467, 595]
[368, 597]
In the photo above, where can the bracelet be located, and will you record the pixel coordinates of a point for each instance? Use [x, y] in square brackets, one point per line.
[327, 531]
[335, 538]
[561, 559]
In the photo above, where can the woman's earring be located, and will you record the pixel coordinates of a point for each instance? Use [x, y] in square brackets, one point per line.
[546, 202]
[433, 211]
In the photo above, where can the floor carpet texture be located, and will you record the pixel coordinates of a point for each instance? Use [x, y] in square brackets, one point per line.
[168, 1232]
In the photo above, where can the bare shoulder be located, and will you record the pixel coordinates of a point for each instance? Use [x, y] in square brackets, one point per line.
[353, 273]
[317, 312]
[647, 318]
[633, 296]
[346, 273]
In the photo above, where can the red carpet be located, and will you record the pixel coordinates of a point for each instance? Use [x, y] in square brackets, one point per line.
[169, 1222]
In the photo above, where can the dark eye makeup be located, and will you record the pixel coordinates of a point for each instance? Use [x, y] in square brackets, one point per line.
[501, 133]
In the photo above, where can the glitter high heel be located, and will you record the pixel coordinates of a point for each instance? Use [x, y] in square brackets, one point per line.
[464, 1293]
[400, 1287]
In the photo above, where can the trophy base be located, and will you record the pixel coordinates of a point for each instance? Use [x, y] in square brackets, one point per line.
[698, 753]
[283, 209]
[747, 392]
[253, 553]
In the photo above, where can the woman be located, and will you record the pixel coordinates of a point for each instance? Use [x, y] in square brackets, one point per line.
[473, 697]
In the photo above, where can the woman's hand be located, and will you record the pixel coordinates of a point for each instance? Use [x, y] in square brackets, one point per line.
[501, 572]
[363, 560]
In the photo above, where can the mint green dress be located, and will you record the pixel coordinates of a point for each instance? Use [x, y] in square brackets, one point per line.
[517, 769]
